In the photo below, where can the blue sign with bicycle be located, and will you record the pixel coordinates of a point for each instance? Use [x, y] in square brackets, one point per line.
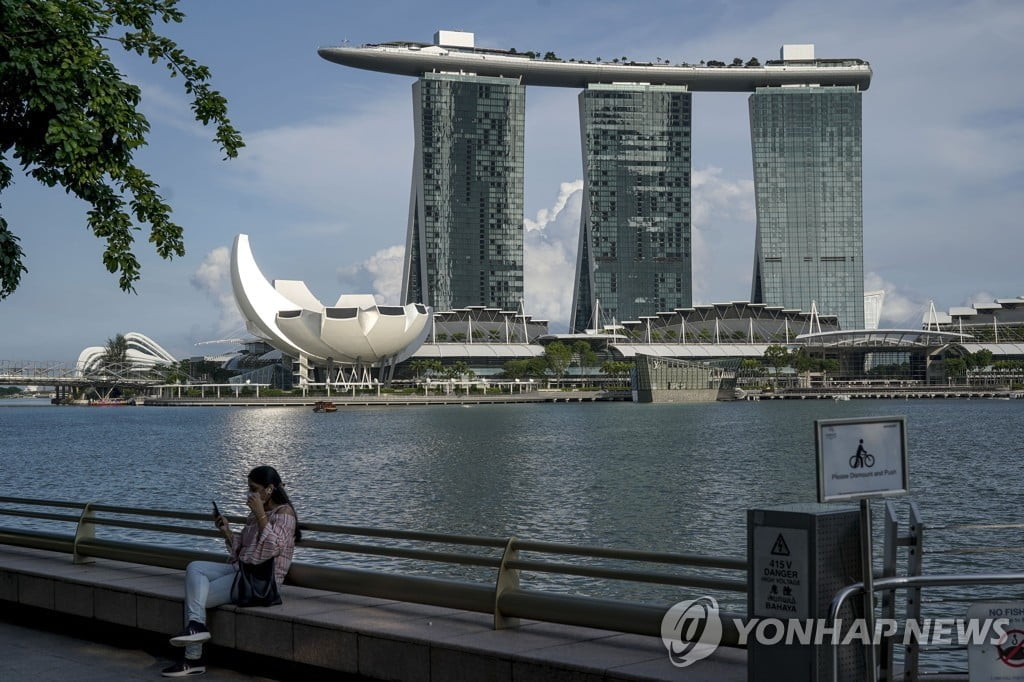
[861, 457]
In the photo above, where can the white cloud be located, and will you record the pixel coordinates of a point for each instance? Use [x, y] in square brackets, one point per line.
[213, 279]
[980, 297]
[549, 260]
[715, 197]
[715, 201]
[549, 247]
[353, 169]
[902, 308]
[380, 274]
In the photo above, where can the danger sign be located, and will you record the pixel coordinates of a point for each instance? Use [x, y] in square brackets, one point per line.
[780, 573]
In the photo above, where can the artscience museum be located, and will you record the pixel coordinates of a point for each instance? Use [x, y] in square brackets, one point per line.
[344, 341]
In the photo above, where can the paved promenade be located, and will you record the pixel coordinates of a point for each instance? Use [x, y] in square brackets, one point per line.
[32, 653]
[116, 617]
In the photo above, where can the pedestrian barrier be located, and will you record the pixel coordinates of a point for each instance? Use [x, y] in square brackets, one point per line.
[506, 560]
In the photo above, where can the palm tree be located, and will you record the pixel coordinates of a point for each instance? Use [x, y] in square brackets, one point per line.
[115, 353]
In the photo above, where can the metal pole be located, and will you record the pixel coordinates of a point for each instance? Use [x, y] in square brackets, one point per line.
[870, 653]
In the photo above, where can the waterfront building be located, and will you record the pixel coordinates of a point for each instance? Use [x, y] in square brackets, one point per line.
[477, 324]
[634, 248]
[346, 339]
[998, 322]
[807, 154]
[873, 303]
[141, 353]
[665, 380]
[464, 245]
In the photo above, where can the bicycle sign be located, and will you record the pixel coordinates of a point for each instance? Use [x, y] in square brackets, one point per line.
[860, 458]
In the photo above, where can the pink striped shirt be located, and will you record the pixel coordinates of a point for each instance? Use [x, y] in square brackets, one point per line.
[276, 539]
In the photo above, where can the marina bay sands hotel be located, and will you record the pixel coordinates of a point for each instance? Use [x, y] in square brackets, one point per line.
[465, 232]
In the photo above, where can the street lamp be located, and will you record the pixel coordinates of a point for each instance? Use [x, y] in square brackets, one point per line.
[517, 383]
[531, 385]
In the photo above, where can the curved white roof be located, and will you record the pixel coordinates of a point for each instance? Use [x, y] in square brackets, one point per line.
[691, 350]
[294, 321]
[479, 350]
[143, 353]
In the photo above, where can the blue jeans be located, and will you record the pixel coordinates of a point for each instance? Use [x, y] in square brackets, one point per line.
[207, 584]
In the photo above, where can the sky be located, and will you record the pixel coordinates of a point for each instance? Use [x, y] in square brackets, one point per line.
[322, 187]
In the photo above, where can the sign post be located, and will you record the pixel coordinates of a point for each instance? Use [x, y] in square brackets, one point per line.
[860, 459]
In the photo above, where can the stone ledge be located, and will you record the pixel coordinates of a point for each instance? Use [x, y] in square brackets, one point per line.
[372, 637]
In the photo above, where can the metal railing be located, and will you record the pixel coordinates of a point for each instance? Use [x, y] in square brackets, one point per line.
[504, 559]
[889, 583]
[911, 582]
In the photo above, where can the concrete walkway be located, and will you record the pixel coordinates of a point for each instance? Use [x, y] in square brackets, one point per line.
[29, 652]
[313, 635]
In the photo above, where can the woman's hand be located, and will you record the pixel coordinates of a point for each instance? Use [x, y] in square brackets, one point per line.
[223, 526]
[255, 502]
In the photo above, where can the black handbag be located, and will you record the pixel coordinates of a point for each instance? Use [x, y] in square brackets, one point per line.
[254, 585]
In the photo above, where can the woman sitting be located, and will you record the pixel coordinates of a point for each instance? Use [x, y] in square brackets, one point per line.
[270, 531]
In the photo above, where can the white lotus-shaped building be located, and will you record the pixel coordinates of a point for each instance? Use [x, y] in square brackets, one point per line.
[355, 331]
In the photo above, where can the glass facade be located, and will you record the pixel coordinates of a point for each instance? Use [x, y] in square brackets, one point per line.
[465, 237]
[634, 250]
[806, 144]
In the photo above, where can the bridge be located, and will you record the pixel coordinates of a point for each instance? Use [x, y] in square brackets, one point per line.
[65, 378]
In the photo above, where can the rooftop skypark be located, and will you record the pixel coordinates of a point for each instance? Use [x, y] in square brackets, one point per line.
[454, 52]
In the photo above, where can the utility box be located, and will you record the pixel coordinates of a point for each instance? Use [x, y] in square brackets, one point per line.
[799, 556]
[453, 38]
[800, 52]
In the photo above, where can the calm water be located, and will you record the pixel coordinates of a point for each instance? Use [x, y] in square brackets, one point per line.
[657, 477]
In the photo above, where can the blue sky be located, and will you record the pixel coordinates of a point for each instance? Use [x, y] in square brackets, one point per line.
[323, 186]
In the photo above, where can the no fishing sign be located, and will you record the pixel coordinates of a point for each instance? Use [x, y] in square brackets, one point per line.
[1000, 659]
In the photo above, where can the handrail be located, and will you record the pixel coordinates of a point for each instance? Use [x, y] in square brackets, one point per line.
[503, 597]
[910, 582]
[635, 555]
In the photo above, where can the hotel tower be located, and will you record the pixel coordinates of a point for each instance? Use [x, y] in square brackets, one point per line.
[806, 144]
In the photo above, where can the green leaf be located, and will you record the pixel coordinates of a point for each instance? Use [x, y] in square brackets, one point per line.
[69, 118]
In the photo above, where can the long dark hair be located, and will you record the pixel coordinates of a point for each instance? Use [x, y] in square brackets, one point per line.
[266, 476]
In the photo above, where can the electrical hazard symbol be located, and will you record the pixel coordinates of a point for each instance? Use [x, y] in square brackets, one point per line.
[780, 548]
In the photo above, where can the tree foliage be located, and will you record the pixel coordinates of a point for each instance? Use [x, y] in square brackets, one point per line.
[616, 368]
[584, 354]
[777, 356]
[425, 367]
[524, 368]
[69, 118]
[559, 357]
[115, 352]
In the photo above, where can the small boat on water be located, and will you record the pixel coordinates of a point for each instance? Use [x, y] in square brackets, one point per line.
[110, 402]
[325, 406]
